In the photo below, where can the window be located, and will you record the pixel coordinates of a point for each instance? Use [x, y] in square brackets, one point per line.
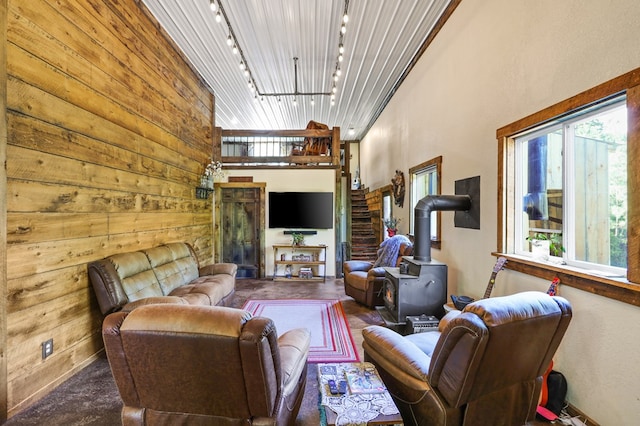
[585, 204]
[571, 189]
[425, 180]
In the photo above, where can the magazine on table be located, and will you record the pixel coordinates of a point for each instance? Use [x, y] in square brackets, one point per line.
[364, 380]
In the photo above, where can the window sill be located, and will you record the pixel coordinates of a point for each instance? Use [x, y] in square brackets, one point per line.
[613, 288]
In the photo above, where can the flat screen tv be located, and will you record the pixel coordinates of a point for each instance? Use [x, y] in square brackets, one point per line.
[301, 210]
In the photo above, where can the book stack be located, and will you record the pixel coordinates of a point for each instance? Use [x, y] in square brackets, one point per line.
[305, 273]
[364, 380]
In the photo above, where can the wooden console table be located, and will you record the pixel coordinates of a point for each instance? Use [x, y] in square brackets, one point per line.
[296, 259]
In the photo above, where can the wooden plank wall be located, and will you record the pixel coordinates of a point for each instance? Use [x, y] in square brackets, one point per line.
[108, 132]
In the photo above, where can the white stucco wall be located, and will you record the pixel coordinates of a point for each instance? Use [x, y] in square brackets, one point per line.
[321, 180]
[494, 62]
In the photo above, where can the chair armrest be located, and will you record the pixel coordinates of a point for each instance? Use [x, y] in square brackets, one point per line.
[219, 268]
[447, 318]
[377, 272]
[397, 355]
[156, 300]
[294, 351]
[356, 265]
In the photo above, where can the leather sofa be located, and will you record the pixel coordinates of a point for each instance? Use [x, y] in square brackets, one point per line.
[363, 281]
[205, 365]
[168, 273]
[484, 366]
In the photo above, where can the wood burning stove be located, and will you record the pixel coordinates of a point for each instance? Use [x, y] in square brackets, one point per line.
[420, 289]
[419, 285]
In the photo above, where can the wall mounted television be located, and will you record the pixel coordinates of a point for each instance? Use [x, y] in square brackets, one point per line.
[301, 210]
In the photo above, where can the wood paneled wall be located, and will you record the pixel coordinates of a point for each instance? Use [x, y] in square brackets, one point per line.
[374, 201]
[108, 131]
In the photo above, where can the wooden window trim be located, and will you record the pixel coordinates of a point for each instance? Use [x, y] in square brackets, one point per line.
[437, 161]
[625, 290]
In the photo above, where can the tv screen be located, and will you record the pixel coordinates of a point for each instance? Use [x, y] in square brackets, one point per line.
[301, 210]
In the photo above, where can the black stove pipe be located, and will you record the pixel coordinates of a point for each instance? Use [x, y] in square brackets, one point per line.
[422, 219]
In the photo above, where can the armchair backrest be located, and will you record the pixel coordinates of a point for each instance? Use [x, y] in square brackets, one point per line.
[497, 349]
[175, 361]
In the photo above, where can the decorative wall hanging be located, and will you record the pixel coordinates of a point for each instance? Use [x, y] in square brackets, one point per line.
[398, 188]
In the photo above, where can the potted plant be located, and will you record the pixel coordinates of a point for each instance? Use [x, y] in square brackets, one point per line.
[297, 239]
[392, 225]
[543, 244]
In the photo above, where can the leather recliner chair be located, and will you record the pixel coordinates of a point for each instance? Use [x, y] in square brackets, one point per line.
[205, 365]
[484, 366]
[363, 281]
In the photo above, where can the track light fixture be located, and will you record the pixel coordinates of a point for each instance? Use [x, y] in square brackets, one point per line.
[232, 41]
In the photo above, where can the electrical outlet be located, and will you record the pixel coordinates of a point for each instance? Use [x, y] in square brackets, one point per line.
[47, 348]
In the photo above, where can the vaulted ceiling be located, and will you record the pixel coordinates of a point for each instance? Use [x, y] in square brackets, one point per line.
[381, 40]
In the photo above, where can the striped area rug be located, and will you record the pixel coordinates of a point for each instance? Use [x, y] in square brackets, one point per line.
[331, 339]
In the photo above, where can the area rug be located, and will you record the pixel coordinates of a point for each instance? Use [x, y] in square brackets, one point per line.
[331, 339]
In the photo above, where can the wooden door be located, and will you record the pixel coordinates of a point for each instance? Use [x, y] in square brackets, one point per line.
[240, 229]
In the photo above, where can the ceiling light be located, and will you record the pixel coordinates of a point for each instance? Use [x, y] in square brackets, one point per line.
[334, 90]
[216, 5]
[295, 102]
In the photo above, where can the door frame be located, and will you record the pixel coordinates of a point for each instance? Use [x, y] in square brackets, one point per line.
[217, 235]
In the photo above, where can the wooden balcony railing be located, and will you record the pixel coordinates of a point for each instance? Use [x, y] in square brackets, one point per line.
[278, 148]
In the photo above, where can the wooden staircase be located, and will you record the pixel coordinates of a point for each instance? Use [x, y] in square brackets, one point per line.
[364, 245]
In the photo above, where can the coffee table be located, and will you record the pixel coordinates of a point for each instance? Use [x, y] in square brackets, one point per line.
[366, 408]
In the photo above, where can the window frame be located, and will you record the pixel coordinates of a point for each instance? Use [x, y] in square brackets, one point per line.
[625, 290]
[437, 162]
[564, 129]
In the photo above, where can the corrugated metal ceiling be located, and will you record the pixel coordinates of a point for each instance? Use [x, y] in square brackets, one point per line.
[381, 39]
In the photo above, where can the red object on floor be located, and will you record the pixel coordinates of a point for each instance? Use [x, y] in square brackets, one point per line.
[547, 414]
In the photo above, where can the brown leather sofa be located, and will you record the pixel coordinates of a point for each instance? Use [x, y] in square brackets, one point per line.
[363, 281]
[205, 365]
[168, 273]
[484, 367]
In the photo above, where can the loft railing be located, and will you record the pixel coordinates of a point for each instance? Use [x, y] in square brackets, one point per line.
[282, 148]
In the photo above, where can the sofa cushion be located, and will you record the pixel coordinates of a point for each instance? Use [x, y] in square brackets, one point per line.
[173, 266]
[135, 273]
[208, 289]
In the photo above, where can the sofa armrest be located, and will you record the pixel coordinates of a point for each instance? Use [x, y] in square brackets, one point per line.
[356, 265]
[219, 268]
[107, 286]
